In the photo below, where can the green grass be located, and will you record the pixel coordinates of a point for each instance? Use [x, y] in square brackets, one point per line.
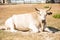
[46, 6]
[56, 16]
[1, 31]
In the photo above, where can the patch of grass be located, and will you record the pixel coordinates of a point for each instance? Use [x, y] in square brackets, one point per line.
[1, 4]
[46, 6]
[1, 31]
[56, 16]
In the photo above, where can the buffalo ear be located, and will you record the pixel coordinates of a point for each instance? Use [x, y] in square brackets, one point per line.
[36, 9]
[49, 13]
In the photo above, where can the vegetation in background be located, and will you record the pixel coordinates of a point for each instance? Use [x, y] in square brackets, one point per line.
[56, 16]
[1, 31]
[46, 6]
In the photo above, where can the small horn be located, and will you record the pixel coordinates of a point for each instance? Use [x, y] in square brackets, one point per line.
[36, 9]
[49, 9]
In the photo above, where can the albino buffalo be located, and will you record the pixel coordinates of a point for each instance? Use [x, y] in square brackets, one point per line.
[33, 22]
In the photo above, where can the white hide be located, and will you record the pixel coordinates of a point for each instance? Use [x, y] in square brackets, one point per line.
[23, 21]
[33, 21]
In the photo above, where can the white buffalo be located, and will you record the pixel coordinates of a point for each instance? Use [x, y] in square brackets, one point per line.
[33, 22]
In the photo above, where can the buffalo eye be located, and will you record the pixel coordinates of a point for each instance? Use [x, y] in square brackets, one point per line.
[49, 13]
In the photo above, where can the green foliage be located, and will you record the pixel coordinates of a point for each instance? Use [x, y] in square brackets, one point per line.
[1, 4]
[46, 6]
[0, 30]
[56, 16]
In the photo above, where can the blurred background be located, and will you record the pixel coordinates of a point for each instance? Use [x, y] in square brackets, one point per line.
[28, 1]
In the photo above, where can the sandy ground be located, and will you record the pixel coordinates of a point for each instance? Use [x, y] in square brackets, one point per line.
[29, 36]
[7, 11]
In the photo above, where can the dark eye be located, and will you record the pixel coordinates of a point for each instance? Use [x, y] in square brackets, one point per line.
[49, 13]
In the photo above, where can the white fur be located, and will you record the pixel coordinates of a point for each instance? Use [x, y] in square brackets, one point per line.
[23, 20]
[33, 21]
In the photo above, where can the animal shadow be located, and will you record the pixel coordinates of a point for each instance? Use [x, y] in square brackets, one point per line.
[53, 29]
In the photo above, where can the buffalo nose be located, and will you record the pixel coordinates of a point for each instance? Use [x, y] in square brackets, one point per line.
[43, 21]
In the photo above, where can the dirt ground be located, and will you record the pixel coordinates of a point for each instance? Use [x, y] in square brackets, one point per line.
[7, 11]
